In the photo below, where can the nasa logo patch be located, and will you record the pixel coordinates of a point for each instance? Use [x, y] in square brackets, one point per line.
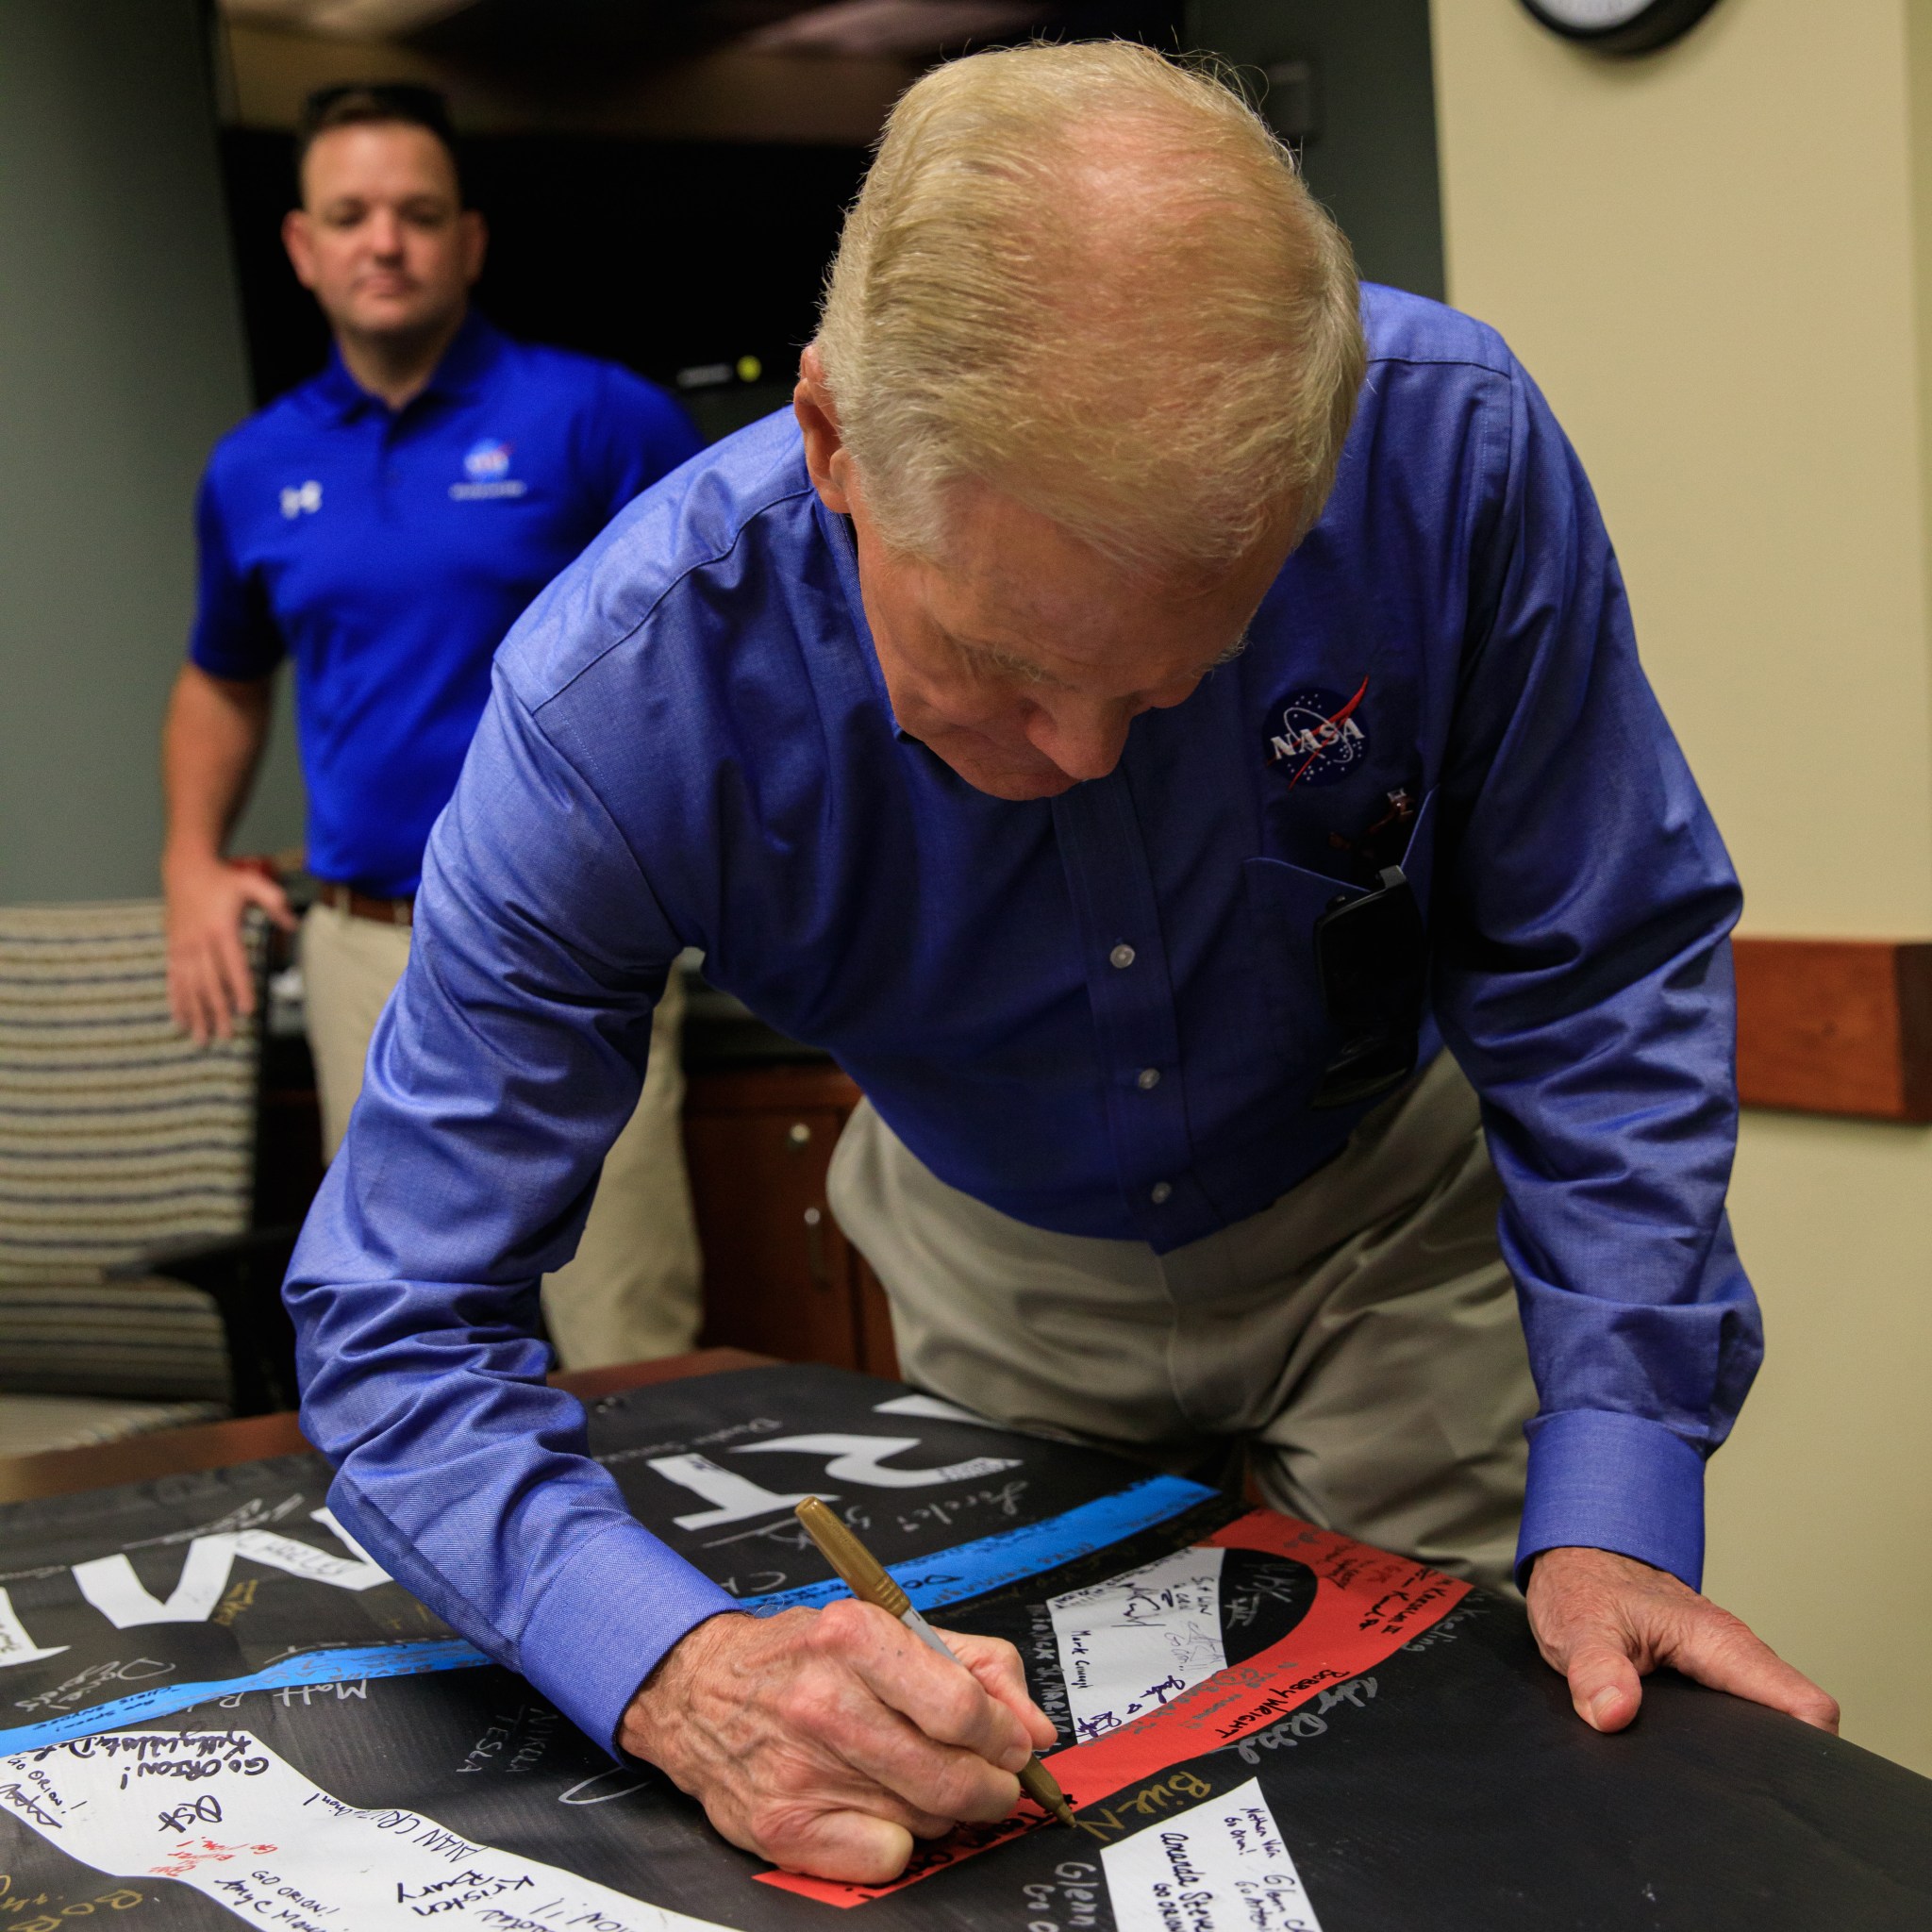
[487, 459]
[1317, 737]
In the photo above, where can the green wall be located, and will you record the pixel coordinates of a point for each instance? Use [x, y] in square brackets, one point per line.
[1373, 159]
[121, 361]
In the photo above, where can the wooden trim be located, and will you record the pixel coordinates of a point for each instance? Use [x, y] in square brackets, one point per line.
[1835, 1027]
[213, 1445]
[769, 1088]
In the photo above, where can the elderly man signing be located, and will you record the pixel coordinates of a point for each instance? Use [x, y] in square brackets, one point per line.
[1167, 720]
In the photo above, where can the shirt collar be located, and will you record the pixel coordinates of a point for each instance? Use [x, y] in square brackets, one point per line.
[838, 534]
[468, 361]
[466, 365]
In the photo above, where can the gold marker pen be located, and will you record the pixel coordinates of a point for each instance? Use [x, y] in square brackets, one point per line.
[867, 1578]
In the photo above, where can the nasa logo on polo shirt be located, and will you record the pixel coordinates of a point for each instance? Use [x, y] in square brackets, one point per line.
[486, 465]
[1318, 737]
[301, 499]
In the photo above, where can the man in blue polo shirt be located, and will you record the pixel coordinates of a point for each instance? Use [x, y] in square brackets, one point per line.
[383, 526]
[1169, 721]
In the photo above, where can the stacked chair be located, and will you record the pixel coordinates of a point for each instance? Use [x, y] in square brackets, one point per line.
[134, 1295]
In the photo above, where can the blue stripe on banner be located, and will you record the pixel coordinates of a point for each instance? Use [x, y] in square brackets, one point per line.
[994, 1561]
[949, 1577]
[312, 1668]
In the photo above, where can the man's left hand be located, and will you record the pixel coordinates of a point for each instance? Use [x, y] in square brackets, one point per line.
[1607, 1622]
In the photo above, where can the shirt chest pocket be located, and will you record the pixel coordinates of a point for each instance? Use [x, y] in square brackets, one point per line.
[1284, 902]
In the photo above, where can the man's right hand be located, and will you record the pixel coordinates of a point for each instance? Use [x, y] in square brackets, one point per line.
[827, 1740]
[208, 979]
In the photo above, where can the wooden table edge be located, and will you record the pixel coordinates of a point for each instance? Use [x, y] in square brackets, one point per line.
[252, 1438]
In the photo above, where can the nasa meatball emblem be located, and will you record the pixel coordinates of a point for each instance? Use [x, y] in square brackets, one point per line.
[1317, 737]
[486, 467]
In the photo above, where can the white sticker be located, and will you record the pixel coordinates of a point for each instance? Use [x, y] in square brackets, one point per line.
[220, 1811]
[1139, 1641]
[16, 1646]
[294, 1557]
[1221, 1867]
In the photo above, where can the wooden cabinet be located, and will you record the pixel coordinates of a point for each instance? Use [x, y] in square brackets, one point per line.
[779, 1277]
[760, 1121]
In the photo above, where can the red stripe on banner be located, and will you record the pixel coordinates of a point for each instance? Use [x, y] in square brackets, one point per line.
[1368, 1605]
[926, 1859]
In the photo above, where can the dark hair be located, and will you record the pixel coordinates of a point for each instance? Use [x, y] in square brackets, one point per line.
[354, 104]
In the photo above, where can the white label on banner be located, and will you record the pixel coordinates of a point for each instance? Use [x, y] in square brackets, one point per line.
[296, 1558]
[220, 1811]
[1139, 1641]
[1222, 1866]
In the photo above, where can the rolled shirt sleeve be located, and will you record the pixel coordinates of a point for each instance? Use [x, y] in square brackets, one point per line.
[1583, 979]
[505, 1064]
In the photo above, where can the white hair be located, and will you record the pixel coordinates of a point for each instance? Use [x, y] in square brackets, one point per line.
[1091, 279]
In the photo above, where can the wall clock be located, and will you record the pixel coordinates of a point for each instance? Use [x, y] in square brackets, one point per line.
[1619, 26]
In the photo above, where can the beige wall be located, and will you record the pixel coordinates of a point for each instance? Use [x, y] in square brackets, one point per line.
[1717, 260]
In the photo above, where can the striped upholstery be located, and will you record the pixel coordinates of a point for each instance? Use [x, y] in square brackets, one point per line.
[149, 1337]
[117, 1137]
[117, 1134]
[31, 1425]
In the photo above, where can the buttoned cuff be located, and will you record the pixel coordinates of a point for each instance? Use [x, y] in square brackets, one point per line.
[606, 1620]
[1603, 1481]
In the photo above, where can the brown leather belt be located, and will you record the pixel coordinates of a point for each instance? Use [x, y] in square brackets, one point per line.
[363, 905]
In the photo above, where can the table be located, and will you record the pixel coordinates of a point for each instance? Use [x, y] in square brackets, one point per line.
[212, 1445]
[1436, 1777]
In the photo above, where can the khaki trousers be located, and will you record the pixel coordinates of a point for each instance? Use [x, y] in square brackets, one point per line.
[1360, 1336]
[632, 1290]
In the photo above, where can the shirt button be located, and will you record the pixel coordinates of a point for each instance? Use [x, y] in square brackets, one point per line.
[1161, 1194]
[1122, 957]
[1149, 1078]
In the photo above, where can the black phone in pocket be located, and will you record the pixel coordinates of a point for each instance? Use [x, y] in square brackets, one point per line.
[1372, 959]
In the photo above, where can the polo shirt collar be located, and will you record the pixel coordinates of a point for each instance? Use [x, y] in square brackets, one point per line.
[467, 364]
[468, 361]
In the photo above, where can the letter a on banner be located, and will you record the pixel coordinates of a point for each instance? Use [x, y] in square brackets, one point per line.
[110, 1585]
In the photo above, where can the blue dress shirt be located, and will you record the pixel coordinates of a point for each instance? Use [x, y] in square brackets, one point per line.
[691, 743]
[389, 551]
